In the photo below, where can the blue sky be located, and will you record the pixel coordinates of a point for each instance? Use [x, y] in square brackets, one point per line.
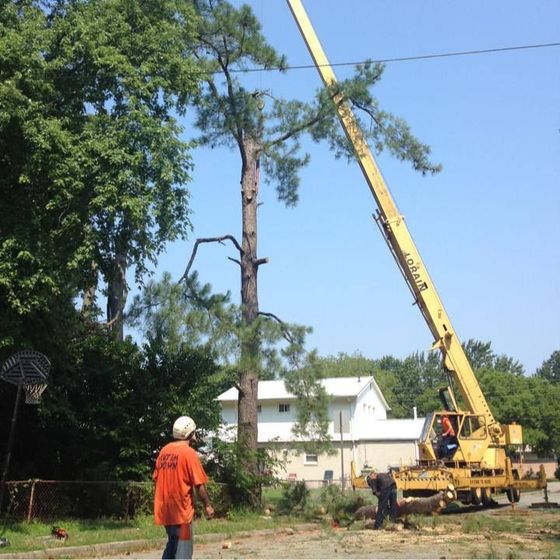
[487, 226]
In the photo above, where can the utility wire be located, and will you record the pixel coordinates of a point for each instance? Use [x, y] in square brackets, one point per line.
[404, 58]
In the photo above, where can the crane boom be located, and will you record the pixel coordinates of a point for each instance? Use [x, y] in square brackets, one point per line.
[400, 241]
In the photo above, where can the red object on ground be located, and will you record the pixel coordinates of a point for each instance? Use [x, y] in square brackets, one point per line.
[60, 533]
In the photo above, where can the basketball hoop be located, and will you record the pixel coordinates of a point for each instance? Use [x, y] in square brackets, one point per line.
[30, 370]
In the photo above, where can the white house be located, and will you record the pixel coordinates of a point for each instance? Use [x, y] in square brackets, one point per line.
[359, 427]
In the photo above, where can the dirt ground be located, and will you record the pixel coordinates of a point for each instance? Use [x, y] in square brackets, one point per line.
[499, 532]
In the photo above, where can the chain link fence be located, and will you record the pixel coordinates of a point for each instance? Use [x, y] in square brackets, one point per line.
[45, 500]
[59, 499]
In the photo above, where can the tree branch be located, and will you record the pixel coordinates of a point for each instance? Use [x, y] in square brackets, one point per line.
[303, 126]
[208, 240]
[285, 330]
[232, 105]
[368, 112]
[109, 324]
[236, 130]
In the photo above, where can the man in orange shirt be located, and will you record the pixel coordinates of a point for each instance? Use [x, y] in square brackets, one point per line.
[177, 474]
[448, 438]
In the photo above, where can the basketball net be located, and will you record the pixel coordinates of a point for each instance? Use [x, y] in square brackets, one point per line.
[33, 392]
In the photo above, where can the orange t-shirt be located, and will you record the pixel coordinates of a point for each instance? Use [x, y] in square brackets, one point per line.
[447, 427]
[178, 471]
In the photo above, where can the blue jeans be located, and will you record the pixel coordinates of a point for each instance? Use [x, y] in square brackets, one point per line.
[172, 541]
[386, 505]
[177, 546]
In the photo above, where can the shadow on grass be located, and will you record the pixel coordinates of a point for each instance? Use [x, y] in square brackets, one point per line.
[455, 508]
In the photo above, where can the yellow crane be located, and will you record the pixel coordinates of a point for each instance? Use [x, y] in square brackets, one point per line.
[475, 461]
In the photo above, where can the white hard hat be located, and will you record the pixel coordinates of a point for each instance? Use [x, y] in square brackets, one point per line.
[183, 427]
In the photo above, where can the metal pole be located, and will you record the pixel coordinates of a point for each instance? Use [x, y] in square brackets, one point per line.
[31, 500]
[10, 445]
[341, 451]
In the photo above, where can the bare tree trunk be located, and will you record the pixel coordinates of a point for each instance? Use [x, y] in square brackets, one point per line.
[117, 293]
[250, 345]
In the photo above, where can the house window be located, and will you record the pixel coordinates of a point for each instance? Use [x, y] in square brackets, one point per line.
[259, 408]
[283, 408]
[311, 459]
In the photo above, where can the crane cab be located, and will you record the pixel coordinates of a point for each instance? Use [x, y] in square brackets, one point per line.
[470, 444]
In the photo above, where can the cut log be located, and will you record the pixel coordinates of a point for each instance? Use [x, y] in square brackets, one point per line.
[431, 504]
[365, 512]
[407, 506]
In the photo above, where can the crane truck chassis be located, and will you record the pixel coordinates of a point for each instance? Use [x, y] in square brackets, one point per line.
[478, 465]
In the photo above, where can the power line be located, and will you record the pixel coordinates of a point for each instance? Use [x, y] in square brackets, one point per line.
[406, 58]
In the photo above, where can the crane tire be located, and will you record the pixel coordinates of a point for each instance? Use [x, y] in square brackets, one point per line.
[513, 495]
[486, 496]
[476, 496]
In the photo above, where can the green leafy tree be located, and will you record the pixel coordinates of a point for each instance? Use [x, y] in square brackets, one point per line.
[512, 396]
[356, 365]
[528, 401]
[191, 315]
[92, 171]
[108, 407]
[482, 356]
[550, 369]
[408, 379]
[479, 354]
[346, 365]
[268, 138]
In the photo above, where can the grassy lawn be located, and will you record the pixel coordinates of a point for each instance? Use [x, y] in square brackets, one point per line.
[477, 533]
[36, 535]
[26, 537]
[487, 527]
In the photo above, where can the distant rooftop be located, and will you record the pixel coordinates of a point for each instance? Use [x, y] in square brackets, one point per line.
[334, 386]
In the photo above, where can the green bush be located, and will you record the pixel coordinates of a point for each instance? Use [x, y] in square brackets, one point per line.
[220, 497]
[229, 466]
[294, 498]
[140, 499]
[341, 504]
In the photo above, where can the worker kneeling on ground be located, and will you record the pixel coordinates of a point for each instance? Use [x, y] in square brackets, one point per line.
[384, 487]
